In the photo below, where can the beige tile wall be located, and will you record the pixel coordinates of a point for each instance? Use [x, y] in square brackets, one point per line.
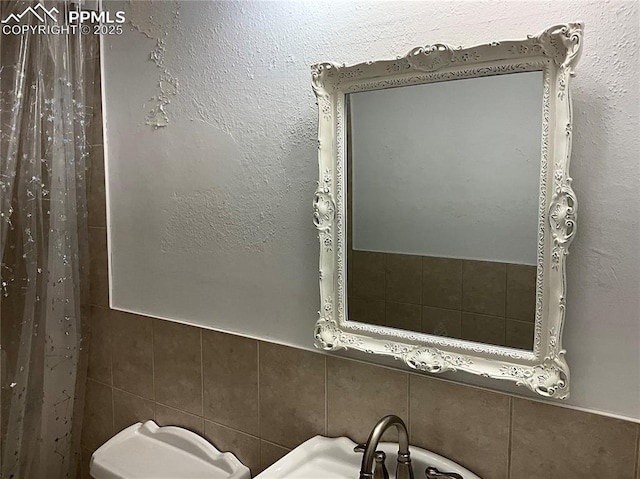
[259, 399]
[480, 301]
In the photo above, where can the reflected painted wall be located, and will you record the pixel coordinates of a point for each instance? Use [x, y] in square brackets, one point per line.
[449, 169]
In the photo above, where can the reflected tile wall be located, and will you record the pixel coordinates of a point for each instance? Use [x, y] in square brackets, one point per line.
[481, 301]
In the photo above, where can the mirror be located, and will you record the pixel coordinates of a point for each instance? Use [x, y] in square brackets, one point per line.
[443, 186]
[445, 209]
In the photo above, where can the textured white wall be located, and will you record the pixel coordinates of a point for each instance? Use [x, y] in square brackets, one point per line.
[449, 169]
[210, 216]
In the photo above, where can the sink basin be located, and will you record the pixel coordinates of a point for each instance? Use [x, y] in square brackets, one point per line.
[326, 458]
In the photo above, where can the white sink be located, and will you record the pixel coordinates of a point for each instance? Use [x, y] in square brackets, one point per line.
[326, 458]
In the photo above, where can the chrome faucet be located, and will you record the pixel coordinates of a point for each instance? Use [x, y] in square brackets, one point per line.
[404, 469]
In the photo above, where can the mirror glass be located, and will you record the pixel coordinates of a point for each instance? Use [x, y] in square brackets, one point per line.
[443, 188]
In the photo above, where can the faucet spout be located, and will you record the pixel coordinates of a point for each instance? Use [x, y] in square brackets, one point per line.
[404, 470]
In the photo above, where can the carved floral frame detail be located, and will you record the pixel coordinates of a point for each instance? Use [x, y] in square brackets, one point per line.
[555, 51]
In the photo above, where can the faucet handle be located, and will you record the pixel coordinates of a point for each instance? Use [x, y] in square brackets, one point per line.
[380, 469]
[404, 469]
[434, 473]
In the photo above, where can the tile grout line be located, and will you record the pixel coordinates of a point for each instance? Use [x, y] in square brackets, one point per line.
[461, 293]
[153, 358]
[409, 407]
[421, 299]
[506, 287]
[259, 405]
[110, 341]
[202, 375]
[113, 412]
[236, 430]
[510, 437]
[113, 404]
[326, 397]
[276, 444]
[637, 471]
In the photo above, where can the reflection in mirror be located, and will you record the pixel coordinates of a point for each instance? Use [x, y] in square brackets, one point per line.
[443, 183]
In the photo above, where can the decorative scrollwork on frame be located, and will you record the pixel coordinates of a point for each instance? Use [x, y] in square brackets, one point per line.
[327, 241]
[327, 335]
[324, 207]
[323, 76]
[430, 58]
[323, 210]
[563, 43]
[433, 360]
[562, 219]
[550, 380]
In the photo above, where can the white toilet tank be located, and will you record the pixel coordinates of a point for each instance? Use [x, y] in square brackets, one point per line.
[146, 451]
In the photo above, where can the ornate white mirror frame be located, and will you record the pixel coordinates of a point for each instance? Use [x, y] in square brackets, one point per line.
[555, 52]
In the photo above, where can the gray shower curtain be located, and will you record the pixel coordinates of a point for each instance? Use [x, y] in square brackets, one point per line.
[43, 244]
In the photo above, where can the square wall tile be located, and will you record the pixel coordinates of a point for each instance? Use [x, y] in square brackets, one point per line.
[245, 447]
[230, 368]
[168, 416]
[129, 409]
[484, 287]
[442, 322]
[97, 425]
[132, 353]
[368, 275]
[292, 394]
[521, 292]
[99, 367]
[560, 443]
[98, 267]
[358, 395]
[403, 316]
[468, 425]
[519, 334]
[441, 282]
[177, 366]
[483, 329]
[403, 278]
[366, 311]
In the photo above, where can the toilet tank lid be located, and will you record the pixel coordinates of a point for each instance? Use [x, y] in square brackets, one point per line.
[145, 451]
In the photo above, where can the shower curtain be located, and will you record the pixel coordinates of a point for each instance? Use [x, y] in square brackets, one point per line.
[43, 243]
